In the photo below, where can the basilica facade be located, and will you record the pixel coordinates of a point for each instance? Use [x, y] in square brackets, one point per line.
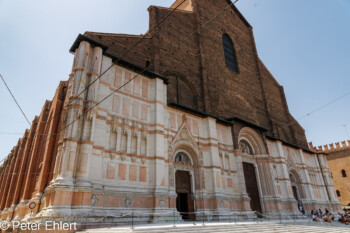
[185, 122]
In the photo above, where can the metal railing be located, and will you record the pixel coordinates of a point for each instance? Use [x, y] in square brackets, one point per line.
[134, 217]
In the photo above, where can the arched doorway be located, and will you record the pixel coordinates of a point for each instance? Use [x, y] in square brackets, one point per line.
[296, 188]
[250, 177]
[183, 181]
[253, 152]
[252, 187]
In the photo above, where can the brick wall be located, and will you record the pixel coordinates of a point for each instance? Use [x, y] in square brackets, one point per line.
[252, 94]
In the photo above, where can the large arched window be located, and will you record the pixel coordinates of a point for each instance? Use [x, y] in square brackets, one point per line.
[180, 93]
[230, 54]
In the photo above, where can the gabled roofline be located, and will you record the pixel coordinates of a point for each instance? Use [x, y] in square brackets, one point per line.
[269, 72]
[169, 9]
[81, 38]
[235, 9]
[117, 60]
[87, 33]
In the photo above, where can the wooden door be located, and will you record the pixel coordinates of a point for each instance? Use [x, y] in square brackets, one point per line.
[185, 198]
[252, 186]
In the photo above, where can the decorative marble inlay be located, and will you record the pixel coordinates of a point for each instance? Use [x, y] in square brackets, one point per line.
[162, 202]
[94, 200]
[184, 135]
[127, 202]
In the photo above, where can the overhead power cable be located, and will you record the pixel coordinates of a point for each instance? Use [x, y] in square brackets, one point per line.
[313, 111]
[128, 51]
[104, 72]
[88, 110]
[120, 58]
[189, 36]
[133, 46]
[13, 97]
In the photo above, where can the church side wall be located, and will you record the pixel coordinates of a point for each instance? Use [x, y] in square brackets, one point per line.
[28, 169]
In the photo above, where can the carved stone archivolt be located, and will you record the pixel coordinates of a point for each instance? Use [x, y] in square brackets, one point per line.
[249, 140]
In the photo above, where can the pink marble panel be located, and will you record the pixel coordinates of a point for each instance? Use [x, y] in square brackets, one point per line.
[172, 120]
[143, 174]
[70, 165]
[144, 112]
[218, 185]
[195, 127]
[223, 181]
[229, 182]
[127, 86]
[145, 88]
[135, 109]
[83, 162]
[137, 86]
[110, 172]
[162, 183]
[118, 78]
[116, 103]
[132, 172]
[122, 172]
[218, 133]
[224, 135]
[126, 107]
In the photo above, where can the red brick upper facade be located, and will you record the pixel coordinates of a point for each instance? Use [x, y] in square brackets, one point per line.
[252, 94]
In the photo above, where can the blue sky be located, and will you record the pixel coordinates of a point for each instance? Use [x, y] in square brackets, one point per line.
[305, 45]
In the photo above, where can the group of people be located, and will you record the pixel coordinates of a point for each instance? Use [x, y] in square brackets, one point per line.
[319, 216]
[344, 217]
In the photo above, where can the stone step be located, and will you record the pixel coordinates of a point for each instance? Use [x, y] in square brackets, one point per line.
[228, 228]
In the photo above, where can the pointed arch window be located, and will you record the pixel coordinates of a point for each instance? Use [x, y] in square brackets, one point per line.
[230, 53]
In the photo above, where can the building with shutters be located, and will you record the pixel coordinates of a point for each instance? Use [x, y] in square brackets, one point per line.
[183, 125]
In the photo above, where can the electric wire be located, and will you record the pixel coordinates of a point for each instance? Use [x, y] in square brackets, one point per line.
[312, 112]
[188, 37]
[13, 97]
[126, 53]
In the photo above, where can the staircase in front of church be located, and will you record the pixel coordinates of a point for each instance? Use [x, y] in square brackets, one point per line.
[228, 228]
